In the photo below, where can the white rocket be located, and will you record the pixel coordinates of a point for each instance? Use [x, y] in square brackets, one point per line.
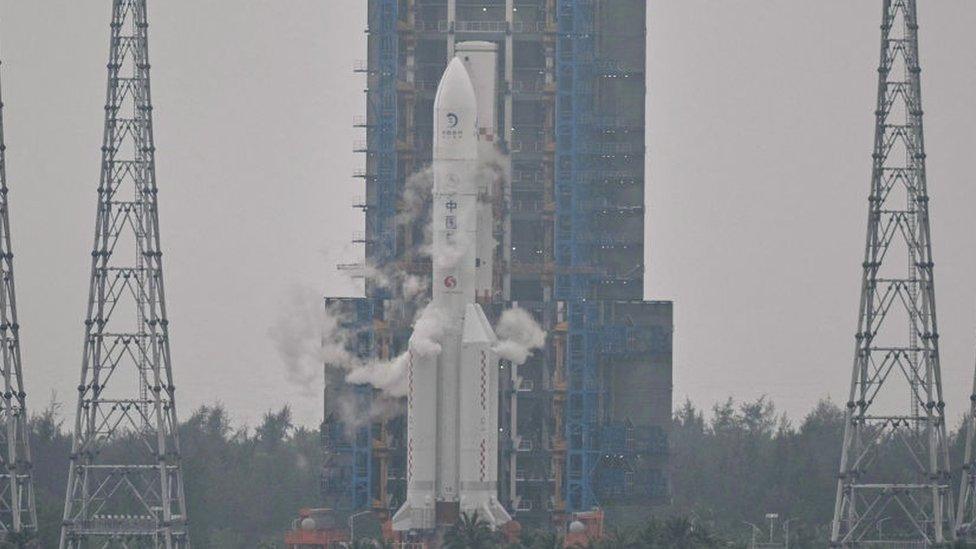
[452, 409]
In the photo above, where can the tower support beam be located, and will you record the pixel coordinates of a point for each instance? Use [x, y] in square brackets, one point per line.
[18, 515]
[895, 459]
[125, 483]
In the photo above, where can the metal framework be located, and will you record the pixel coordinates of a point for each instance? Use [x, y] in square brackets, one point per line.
[382, 102]
[125, 485]
[966, 513]
[572, 245]
[18, 516]
[347, 478]
[895, 461]
[575, 71]
[351, 460]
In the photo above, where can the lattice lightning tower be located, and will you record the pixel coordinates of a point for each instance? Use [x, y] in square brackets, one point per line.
[125, 486]
[18, 516]
[895, 464]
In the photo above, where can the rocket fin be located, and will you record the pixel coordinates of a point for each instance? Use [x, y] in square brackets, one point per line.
[477, 329]
[495, 512]
[409, 517]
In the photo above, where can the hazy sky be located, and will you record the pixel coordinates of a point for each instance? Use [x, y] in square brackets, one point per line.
[759, 138]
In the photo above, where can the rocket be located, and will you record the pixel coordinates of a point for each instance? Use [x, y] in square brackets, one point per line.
[452, 401]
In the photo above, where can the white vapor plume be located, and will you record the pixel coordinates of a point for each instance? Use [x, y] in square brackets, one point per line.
[310, 337]
[354, 416]
[518, 336]
[389, 376]
[415, 287]
[427, 329]
[416, 196]
[377, 276]
[307, 335]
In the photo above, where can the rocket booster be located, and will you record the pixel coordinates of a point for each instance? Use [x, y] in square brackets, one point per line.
[452, 402]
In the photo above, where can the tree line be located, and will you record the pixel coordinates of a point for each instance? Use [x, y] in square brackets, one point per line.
[729, 467]
[243, 486]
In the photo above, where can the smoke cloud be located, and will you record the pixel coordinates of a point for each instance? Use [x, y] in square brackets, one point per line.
[353, 416]
[307, 335]
[415, 288]
[518, 336]
[389, 376]
[427, 329]
[416, 197]
[310, 337]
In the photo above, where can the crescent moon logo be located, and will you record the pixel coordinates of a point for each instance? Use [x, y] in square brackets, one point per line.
[452, 120]
[450, 282]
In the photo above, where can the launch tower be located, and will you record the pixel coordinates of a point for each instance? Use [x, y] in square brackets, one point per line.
[130, 498]
[585, 421]
[895, 459]
[18, 514]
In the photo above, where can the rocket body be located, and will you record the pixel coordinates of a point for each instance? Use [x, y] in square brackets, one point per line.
[452, 402]
[481, 60]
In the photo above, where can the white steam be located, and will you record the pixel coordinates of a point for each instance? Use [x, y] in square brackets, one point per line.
[427, 329]
[416, 196]
[354, 415]
[310, 337]
[415, 287]
[307, 335]
[389, 376]
[518, 336]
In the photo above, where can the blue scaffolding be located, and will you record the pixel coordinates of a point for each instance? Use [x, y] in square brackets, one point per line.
[575, 71]
[382, 136]
[347, 478]
[383, 177]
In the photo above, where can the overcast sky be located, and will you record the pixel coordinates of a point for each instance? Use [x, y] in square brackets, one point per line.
[759, 136]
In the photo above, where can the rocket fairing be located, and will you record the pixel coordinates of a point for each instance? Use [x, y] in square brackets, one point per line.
[481, 60]
[452, 402]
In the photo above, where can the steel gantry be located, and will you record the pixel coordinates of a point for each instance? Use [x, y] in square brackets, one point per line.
[895, 462]
[18, 516]
[125, 486]
[966, 513]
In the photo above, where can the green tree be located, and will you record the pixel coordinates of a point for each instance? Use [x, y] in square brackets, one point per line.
[471, 532]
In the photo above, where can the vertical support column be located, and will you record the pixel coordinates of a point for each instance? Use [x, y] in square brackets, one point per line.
[126, 387]
[897, 300]
[574, 148]
[17, 509]
[506, 134]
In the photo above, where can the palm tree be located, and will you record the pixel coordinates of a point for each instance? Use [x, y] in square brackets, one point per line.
[470, 532]
[682, 533]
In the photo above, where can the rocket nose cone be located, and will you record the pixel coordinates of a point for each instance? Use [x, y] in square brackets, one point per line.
[455, 88]
[455, 115]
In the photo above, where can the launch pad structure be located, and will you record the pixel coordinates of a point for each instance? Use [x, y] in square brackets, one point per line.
[584, 423]
[126, 389]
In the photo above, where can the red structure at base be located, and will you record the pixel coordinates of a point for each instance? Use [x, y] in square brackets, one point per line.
[316, 529]
[584, 528]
